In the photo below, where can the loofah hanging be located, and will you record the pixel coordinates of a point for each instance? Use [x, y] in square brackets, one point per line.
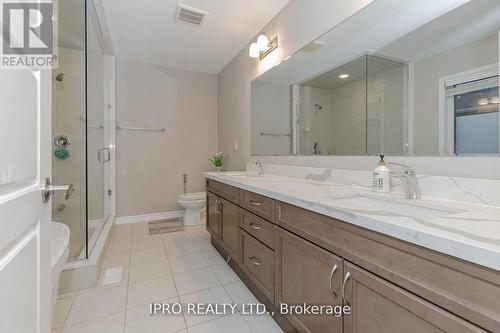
[61, 153]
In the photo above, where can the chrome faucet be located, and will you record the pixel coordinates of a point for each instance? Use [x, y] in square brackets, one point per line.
[408, 181]
[258, 164]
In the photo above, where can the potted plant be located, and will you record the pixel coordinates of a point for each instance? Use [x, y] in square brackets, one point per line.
[218, 160]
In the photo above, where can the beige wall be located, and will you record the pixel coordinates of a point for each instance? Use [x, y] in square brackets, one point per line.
[150, 164]
[270, 114]
[297, 24]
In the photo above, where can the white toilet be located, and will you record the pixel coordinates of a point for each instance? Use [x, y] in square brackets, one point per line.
[194, 204]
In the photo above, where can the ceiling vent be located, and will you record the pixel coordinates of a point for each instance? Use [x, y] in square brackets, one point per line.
[190, 15]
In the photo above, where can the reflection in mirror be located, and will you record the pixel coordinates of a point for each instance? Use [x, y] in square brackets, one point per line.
[419, 83]
[355, 109]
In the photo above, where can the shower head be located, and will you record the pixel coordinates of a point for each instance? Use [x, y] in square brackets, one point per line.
[60, 77]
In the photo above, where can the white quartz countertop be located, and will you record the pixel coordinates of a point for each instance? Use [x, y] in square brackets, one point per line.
[467, 231]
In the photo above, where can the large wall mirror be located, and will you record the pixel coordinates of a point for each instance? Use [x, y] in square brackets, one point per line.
[397, 78]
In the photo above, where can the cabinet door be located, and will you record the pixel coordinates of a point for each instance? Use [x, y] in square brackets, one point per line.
[380, 306]
[310, 274]
[229, 227]
[213, 215]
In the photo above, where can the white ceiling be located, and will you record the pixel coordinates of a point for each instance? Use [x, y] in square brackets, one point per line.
[147, 31]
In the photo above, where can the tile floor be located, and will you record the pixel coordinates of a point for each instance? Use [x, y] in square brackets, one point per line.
[181, 266]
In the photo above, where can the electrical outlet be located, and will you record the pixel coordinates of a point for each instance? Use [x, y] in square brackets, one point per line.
[236, 145]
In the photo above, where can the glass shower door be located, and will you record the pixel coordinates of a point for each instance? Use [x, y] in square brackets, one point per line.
[69, 125]
[98, 154]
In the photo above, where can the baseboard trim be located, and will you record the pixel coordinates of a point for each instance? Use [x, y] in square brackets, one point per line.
[149, 217]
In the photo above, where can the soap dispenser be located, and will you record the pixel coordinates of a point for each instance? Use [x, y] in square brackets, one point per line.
[382, 177]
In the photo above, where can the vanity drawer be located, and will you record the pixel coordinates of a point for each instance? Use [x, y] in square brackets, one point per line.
[257, 227]
[228, 192]
[465, 289]
[258, 204]
[257, 261]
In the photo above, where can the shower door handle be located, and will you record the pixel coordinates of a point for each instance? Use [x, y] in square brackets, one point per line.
[103, 155]
[48, 190]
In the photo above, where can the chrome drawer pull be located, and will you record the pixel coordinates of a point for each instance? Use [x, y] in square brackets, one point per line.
[334, 269]
[255, 203]
[346, 278]
[255, 261]
[217, 205]
[255, 227]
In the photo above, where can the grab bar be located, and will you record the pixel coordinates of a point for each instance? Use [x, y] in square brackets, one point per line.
[140, 128]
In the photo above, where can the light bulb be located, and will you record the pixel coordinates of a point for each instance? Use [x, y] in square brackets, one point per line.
[483, 101]
[263, 42]
[343, 76]
[253, 51]
[494, 100]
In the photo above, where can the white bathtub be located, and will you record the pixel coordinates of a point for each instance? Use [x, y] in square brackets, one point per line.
[59, 254]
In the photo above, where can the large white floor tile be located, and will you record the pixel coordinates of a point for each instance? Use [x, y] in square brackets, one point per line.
[239, 293]
[119, 246]
[187, 262]
[146, 292]
[97, 303]
[204, 245]
[213, 258]
[148, 271]
[225, 274]
[226, 324]
[262, 323]
[208, 296]
[199, 234]
[113, 260]
[181, 249]
[63, 305]
[147, 255]
[109, 324]
[195, 280]
[141, 226]
[152, 242]
[139, 321]
[116, 261]
[176, 237]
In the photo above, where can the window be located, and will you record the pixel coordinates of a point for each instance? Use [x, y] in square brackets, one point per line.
[469, 119]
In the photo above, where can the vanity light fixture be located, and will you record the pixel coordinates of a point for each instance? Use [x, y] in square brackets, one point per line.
[343, 76]
[253, 51]
[483, 101]
[262, 47]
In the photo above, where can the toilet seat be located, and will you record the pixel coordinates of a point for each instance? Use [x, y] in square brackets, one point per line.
[194, 196]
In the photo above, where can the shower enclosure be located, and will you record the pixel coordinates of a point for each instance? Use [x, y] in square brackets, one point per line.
[355, 109]
[82, 126]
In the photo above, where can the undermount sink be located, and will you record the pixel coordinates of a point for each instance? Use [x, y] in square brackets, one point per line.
[400, 207]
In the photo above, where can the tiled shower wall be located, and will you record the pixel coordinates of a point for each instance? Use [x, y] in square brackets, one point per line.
[68, 118]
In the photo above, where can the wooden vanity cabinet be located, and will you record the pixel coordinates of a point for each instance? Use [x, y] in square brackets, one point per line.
[213, 215]
[380, 306]
[296, 256]
[229, 227]
[257, 261]
[308, 273]
[222, 215]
